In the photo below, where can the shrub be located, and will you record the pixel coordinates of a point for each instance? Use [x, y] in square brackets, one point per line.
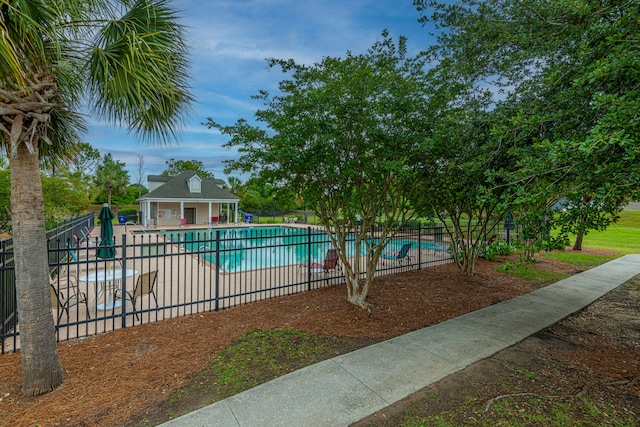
[131, 214]
[558, 242]
[502, 248]
[490, 252]
[127, 211]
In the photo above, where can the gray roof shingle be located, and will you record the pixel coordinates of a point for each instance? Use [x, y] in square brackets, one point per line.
[178, 188]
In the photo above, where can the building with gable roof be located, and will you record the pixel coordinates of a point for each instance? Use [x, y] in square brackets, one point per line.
[187, 199]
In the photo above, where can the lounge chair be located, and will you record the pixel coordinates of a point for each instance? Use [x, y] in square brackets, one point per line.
[401, 256]
[144, 285]
[331, 264]
[436, 248]
[71, 258]
[74, 255]
[79, 254]
[74, 296]
[86, 236]
[82, 243]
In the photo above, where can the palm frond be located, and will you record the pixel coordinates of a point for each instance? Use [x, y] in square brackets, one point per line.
[60, 143]
[9, 63]
[27, 38]
[137, 72]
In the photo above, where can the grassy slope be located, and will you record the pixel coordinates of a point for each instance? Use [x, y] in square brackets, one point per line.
[622, 237]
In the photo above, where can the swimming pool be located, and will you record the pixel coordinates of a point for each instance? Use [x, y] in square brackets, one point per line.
[242, 249]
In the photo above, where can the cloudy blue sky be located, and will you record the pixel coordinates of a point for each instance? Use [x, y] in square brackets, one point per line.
[229, 41]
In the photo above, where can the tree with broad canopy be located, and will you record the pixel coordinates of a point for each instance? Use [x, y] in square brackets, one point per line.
[175, 167]
[566, 75]
[344, 133]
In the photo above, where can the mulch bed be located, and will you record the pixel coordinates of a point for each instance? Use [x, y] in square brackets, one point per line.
[112, 377]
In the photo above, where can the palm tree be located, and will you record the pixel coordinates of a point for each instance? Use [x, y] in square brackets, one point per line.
[235, 185]
[111, 176]
[124, 58]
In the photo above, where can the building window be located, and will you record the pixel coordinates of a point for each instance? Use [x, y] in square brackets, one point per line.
[195, 184]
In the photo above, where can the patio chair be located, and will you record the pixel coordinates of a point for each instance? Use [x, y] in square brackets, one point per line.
[401, 257]
[144, 285]
[74, 296]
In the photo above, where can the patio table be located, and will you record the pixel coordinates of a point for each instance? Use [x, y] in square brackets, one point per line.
[107, 280]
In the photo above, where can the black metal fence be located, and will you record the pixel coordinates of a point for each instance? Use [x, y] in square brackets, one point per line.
[72, 232]
[7, 288]
[190, 271]
[65, 232]
[159, 274]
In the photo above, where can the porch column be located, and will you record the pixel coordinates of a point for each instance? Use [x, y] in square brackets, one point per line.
[147, 213]
[235, 207]
[209, 218]
[181, 213]
[143, 212]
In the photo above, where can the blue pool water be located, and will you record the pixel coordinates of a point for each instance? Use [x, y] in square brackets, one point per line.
[242, 249]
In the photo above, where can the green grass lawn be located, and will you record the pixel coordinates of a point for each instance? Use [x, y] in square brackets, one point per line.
[531, 274]
[622, 237]
[582, 261]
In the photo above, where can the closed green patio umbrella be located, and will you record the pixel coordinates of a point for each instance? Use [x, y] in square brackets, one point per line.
[106, 250]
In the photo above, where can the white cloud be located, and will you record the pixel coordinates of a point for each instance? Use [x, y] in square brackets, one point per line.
[229, 41]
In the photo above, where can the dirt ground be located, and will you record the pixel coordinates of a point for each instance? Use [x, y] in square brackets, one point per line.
[113, 378]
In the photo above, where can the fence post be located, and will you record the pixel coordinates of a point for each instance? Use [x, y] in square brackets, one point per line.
[308, 258]
[217, 290]
[123, 282]
[4, 291]
[419, 246]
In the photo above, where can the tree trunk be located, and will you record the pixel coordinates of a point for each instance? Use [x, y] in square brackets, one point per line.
[463, 256]
[357, 295]
[356, 290]
[469, 259]
[468, 267]
[577, 246]
[529, 249]
[41, 368]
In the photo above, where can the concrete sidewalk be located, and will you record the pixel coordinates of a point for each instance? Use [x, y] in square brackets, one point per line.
[347, 388]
